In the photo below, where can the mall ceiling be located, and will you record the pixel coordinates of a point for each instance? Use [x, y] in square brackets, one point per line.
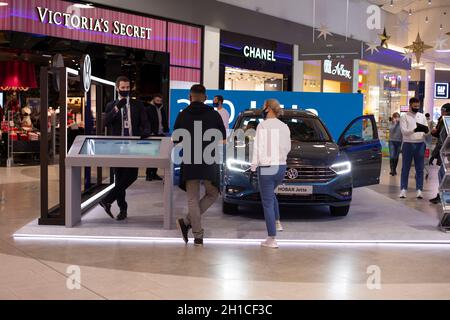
[399, 6]
[430, 18]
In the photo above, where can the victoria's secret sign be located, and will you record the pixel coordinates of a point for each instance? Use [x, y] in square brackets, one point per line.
[75, 21]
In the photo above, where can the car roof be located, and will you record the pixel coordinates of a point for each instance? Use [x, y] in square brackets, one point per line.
[286, 113]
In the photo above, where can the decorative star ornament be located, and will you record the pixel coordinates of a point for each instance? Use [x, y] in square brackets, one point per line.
[384, 39]
[403, 24]
[372, 47]
[324, 32]
[418, 47]
[408, 55]
[440, 42]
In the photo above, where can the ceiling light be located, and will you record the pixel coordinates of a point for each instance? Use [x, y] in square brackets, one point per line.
[441, 27]
[392, 3]
[83, 5]
[429, 2]
[426, 19]
[410, 12]
[3, 4]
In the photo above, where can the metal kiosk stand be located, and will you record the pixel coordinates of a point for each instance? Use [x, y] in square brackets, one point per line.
[444, 187]
[117, 152]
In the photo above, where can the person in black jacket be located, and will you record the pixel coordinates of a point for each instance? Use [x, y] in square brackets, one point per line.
[124, 117]
[201, 159]
[159, 124]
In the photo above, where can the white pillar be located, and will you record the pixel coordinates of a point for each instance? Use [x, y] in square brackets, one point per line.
[428, 101]
[211, 58]
[297, 71]
[355, 76]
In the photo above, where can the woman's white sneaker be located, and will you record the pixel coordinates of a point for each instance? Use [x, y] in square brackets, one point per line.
[279, 226]
[270, 243]
[403, 194]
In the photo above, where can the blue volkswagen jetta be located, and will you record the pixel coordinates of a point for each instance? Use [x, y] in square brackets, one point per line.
[320, 171]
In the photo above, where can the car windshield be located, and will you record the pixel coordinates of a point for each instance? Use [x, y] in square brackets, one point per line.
[303, 129]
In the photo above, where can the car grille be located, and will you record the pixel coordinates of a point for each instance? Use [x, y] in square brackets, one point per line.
[314, 198]
[309, 174]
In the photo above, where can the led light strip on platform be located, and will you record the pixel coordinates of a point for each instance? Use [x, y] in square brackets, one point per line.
[233, 241]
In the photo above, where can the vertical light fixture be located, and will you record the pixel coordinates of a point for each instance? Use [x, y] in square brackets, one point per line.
[392, 3]
[314, 20]
[346, 20]
[410, 12]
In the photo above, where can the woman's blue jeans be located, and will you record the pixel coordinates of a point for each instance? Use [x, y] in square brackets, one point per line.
[269, 178]
[394, 149]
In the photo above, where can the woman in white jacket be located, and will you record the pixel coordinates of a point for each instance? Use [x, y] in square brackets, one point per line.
[270, 149]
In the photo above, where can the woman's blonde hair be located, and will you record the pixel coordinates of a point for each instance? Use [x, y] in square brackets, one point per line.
[274, 105]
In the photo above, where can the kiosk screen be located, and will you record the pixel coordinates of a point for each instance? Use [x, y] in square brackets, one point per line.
[111, 147]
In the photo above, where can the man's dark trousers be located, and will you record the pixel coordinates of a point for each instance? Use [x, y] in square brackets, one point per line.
[124, 177]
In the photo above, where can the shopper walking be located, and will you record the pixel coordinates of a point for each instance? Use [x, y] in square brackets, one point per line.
[124, 117]
[196, 170]
[159, 125]
[218, 104]
[414, 126]
[436, 132]
[271, 147]
[395, 142]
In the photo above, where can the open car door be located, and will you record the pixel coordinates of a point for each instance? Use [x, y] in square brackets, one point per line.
[361, 144]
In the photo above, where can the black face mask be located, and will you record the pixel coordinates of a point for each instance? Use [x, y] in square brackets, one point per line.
[124, 94]
[265, 113]
[415, 110]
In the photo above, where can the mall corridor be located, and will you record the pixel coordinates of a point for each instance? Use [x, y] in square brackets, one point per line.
[110, 269]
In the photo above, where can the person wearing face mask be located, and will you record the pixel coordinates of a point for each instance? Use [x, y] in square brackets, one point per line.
[395, 142]
[270, 150]
[414, 126]
[218, 104]
[197, 121]
[125, 117]
[159, 125]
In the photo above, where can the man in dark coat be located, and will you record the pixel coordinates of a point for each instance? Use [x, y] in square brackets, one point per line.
[124, 117]
[201, 159]
[159, 124]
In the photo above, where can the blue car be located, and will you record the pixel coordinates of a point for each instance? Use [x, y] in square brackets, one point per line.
[320, 172]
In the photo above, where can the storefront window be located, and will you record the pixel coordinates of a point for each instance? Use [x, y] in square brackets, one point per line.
[385, 91]
[312, 76]
[243, 79]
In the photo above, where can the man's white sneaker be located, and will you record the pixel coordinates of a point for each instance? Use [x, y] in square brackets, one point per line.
[403, 194]
[279, 226]
[270, 243]
[419, 194]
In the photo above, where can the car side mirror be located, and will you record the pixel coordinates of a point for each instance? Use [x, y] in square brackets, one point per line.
[353, 140]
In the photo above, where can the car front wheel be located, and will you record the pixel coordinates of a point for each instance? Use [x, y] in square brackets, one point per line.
[339, 211]
[229, 208]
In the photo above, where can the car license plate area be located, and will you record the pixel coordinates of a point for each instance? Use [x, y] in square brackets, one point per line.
[293, 190]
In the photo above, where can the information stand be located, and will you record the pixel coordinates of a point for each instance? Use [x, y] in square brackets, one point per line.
[116, 152]
[444, 187]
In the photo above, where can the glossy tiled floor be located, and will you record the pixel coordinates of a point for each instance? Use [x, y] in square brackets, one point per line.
[42, 269]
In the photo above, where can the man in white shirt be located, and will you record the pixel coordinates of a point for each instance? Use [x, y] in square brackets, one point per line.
[218, 104]
[414, 127]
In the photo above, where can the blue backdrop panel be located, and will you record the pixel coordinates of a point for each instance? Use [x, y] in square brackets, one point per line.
[337, 110]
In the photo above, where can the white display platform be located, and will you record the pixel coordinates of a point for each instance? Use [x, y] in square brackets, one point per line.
[373, 218]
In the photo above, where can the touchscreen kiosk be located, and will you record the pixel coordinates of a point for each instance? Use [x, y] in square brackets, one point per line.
[116, 152]
[444, 187]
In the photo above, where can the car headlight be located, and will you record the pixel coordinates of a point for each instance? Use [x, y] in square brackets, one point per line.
[238, 165]
[342, 167]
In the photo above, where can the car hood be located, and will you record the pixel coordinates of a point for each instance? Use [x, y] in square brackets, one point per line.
[313, 154]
